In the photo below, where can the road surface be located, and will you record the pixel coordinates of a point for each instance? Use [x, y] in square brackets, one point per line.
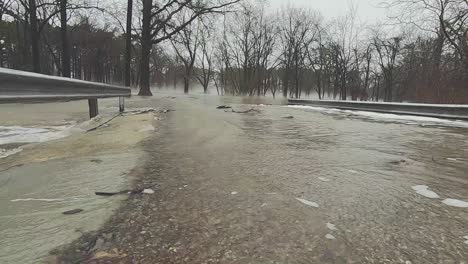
[284, 185]
[264, 187]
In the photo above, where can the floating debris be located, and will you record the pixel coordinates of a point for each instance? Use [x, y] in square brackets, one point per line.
[331, 226]
[397, 162]
[148, 191]
[72, 212]
[288, 117]
[455, 203]
[309, 203]
[324, 179]
[424, 191]
[234, 193]
[330, 236]
[223, 107]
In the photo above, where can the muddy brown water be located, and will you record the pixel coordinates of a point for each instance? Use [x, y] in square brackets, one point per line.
[228, 185]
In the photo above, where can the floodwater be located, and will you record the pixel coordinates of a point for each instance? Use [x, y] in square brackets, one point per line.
[50, 165]
[276, 185]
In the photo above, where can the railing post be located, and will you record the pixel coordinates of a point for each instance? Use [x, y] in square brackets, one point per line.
[93, 107]
[121, 104]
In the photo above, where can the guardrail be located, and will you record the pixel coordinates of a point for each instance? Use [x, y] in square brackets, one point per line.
[26, 87]
[447, 111]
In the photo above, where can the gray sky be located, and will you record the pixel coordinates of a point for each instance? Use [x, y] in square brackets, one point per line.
[367, 9]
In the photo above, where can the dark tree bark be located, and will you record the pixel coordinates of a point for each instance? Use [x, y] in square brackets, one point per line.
[146, 44]
[128, 44]
[66, 60]
[34, 36]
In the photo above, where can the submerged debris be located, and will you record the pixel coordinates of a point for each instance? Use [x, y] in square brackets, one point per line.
[288, 117]
[397, 162]
[72, 212]
[223, 107]
[244, 112]
[309, 203]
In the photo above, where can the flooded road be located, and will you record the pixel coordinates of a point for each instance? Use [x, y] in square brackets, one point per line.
[52, 165]
[277, 185]
[287, 185]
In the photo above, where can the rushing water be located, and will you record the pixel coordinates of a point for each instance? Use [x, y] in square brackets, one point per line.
[302, 184]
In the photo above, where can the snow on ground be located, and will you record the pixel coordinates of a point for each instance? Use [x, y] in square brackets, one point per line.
[309, 203]
[424, 191]
[18, 134]
[380, 116]
[455, 203]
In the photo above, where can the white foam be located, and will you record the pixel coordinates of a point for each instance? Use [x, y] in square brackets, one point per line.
[455, 203]
[8, 152]
[376, 115]
[331, 226]
[424, 191]
[324, 179]
[309, 203]
[39, 200]
[330, 236]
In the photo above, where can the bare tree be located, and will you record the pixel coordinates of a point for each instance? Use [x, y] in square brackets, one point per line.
[159, 24]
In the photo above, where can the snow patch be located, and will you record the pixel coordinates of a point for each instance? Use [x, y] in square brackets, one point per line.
[18, 134]
[455, 203]
[324, 179]
[309, 203]
[330, 236]
[424, 191]
[8, 152]
[331, 226]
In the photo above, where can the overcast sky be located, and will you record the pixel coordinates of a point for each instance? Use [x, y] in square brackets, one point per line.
[367, 10]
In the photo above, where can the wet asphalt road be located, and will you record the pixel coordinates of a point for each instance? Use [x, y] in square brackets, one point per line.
[316, 188]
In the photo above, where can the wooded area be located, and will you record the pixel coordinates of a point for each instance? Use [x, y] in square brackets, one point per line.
[418, 54]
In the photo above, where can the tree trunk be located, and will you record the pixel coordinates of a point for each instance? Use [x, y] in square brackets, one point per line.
[186, 83]
[34, 36]
[145, 49]
[66, 67]
[128, 44]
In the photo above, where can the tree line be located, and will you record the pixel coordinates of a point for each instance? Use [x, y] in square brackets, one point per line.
[418, 54]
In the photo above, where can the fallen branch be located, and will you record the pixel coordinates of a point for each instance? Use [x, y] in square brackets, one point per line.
[103, 124]
[223, 107]
[138, 191]
[244, 112]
